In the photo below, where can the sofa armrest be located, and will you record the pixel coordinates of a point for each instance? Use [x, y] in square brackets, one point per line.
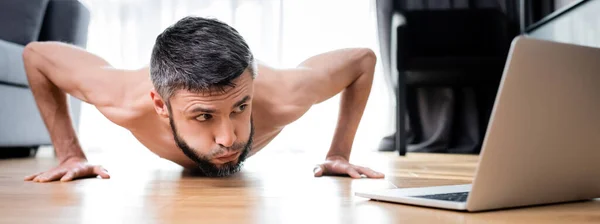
[11, 65]
[66, 21]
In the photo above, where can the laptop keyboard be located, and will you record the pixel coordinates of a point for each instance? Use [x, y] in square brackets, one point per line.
[458, 197]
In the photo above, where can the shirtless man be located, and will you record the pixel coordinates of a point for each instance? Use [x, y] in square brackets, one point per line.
[203, 103]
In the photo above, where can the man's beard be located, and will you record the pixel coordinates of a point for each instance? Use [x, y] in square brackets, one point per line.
[204, 165]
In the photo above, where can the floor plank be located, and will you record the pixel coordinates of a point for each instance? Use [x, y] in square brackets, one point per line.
[276, 187]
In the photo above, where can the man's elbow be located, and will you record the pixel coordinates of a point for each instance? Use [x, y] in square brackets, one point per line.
[29, 50]
[366, 59]
[368, 55]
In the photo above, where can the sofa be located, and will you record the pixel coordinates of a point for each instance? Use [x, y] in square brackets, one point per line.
[22, 22]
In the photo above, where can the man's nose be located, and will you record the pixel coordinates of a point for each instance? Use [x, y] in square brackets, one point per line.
[225, 135]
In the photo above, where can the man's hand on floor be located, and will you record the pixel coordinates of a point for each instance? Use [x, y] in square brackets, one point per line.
[340, 166]
[68, 170]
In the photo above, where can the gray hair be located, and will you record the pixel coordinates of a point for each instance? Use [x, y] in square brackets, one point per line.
[198, 54]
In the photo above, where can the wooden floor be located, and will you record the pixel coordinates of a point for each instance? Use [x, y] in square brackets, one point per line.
[274, 187]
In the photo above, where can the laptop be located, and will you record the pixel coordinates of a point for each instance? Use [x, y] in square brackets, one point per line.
[542, 143]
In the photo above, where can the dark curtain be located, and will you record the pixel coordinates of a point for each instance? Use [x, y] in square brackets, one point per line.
[450, 119]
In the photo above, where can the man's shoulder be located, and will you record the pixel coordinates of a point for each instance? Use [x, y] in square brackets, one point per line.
[275, 99]
[132, 102]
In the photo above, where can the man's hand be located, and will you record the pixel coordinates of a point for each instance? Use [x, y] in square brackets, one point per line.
[337, 165]
[74, 167]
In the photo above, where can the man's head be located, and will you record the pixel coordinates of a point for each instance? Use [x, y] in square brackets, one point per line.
[203, 71]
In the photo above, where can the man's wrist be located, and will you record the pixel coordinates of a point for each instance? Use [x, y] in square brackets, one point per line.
[73, 158]
[67, 147]
[72, 153]
[339, 150]
[337, 157]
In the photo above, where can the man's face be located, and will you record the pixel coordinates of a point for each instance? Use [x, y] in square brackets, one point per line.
[215, 129]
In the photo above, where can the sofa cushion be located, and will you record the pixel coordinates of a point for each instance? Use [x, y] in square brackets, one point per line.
[21, 21]
[12, 70]
[66, 21]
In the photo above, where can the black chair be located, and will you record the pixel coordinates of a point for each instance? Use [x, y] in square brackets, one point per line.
[466, 47]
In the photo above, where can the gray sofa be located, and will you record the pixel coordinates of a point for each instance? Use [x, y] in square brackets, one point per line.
[22, 22]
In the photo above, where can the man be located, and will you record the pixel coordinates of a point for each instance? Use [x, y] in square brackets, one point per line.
[203, 103]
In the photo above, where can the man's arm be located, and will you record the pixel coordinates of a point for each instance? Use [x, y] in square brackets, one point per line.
[53, 70]
[349, 71]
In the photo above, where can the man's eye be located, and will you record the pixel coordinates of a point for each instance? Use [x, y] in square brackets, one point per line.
[204, 117]
[241, 108]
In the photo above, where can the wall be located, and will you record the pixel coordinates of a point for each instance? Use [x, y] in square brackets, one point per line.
[580, 26]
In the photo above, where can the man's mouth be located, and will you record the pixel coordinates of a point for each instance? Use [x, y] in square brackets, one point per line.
[227, 157]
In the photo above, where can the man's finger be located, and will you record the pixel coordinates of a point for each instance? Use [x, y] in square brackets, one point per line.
[68, 177]
[102, 172]
[30, 177]
[56, 175]
[353, 173]
[49, 176]
[319, 170]
[370, 173]
[42, 177]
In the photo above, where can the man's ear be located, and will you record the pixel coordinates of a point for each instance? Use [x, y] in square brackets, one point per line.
[159, 104]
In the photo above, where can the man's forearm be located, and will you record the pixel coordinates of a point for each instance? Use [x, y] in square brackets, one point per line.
[52, 104]
[352, 105]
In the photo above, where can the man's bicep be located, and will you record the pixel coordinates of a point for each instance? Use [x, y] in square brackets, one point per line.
[325, 75]
[286, 94]
[101, 86]
[73, 70]
[82, 75]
